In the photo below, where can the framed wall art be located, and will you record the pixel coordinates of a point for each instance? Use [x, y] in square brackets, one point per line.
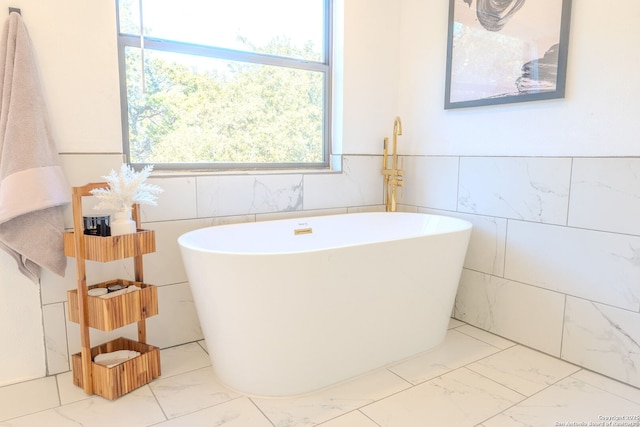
[505, 51]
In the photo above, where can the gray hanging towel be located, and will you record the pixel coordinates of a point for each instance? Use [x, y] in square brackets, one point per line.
[33, 186]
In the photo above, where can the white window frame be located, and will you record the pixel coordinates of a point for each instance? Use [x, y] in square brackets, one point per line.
[151, 43]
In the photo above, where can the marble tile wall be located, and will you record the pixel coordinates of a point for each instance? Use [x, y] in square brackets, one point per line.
[554, 258]
[534, 190]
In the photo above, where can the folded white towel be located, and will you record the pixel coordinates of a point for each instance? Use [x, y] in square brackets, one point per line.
[115, 357]
[33, 187]
[122, 291]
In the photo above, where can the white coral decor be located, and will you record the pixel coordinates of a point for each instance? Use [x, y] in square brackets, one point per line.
[127, 188]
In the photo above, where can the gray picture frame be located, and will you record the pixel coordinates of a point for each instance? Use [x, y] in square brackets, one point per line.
[506, 52]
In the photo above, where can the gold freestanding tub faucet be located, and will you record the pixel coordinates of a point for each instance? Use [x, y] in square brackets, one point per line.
[393, 178]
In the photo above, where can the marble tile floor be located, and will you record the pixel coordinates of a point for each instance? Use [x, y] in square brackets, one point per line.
[472, 379]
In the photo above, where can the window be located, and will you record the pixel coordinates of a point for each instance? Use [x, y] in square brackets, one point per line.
[220, 84]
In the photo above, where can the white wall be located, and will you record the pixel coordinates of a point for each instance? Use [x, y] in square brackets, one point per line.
[596, 118]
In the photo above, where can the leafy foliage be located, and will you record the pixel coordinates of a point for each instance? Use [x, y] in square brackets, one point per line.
[196, 110]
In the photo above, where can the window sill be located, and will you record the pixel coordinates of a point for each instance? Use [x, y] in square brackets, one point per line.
[196, 173]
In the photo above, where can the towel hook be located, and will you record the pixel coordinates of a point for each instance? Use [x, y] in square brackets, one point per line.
[15, 9]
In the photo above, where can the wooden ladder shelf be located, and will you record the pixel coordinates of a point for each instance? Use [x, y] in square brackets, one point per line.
[111, 313]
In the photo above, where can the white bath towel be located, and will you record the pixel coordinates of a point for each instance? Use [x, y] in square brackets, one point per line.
[115, 357]
[33, 187]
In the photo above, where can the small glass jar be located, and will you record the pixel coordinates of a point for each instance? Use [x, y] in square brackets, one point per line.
[97, 225]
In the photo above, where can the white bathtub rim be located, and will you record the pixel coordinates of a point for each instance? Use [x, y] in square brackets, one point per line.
[187, 240]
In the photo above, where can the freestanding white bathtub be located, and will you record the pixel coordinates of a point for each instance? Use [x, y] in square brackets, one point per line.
[292, 306]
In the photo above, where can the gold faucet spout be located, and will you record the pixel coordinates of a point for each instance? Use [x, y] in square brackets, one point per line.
[392, 177]
[397, 127]
[397, 130]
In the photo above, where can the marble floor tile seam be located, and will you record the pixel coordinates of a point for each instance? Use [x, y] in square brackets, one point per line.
[414, 383]
[577, 367]
[334, 418]
[573, 376]
[516, 344]
[462, 330]
[614, 380]
[550, 384]
[465, 367]
[259, 410]
[26, 390]
[186, 371]
[59, 391]
[358, 410]
[409, 386]
[251, 399]
[422, 383]
[8, 420]
[436, 383]
[164, 412]
[200, 343]
[560, 380]
[525, 398]
[186, 414]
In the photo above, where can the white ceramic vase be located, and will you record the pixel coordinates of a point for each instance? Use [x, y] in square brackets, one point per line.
[122, 223]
